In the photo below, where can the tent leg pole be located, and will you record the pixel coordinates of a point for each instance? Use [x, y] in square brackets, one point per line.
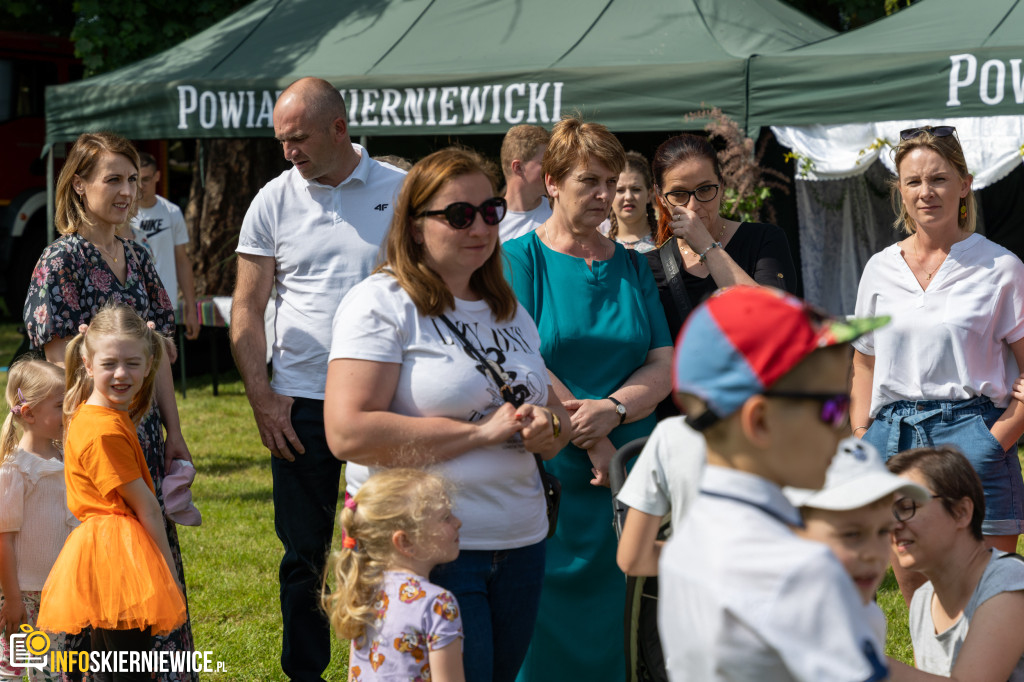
[50, 233]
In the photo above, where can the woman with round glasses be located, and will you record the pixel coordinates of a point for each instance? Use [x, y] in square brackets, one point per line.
[941, 372]
[965, 621]
[701, 250]
[403, 390]
[606, 345]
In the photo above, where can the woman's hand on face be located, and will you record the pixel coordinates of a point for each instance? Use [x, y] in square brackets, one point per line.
[687, 225]
[591, 420]
[500, 425]
[601, 458]
[1018, 388]
[538, 432]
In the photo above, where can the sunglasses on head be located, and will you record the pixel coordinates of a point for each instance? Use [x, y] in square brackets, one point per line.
[460, 214]
[937, 131]
[835, 407]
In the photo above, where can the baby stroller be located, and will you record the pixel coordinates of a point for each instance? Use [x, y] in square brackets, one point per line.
[644, 659]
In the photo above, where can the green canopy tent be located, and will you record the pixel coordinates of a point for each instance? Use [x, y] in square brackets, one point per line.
[412, 67]
[840, 103]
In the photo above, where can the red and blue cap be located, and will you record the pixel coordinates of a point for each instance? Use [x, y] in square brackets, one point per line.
[743, 339]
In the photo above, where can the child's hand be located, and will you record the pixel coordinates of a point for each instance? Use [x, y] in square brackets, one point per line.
[12, 614]
[601, 457]
[1018, 388]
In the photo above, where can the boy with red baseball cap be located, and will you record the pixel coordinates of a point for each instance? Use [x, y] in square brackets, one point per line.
[764, 377]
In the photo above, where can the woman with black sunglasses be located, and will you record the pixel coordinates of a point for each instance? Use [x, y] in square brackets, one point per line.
[606, 345]
[941, 372]
[965, 621]
[404, 390]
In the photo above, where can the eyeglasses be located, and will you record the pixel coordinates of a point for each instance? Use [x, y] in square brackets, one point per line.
[937, 131]
[682, 197]
[460, 214]
[904, 508]
[835, 407]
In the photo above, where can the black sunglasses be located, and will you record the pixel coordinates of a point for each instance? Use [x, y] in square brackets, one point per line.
[835, 407]
[904, 508]
[937, 131]
[681, 197]
[460, 214]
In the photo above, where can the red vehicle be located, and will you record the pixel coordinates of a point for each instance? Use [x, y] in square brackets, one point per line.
[28, 63]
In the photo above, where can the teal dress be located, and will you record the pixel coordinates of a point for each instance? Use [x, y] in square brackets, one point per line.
[596, 328]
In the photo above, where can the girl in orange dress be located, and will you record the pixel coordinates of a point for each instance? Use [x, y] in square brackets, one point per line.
[115, 573]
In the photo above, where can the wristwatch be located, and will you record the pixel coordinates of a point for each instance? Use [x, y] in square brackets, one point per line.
[620, 410]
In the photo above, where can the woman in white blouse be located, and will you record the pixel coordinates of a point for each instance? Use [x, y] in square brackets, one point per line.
[402, 390]
[941, 372]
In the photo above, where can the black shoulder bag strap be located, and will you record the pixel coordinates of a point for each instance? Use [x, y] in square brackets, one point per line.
[674, 278]
[501, 378]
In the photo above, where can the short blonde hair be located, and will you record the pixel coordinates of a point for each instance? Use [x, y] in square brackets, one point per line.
[948, 147]
[521, 142]
[574, 142]
[81, 161]
[29, 382]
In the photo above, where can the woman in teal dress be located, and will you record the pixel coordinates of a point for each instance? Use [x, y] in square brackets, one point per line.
[606, 345]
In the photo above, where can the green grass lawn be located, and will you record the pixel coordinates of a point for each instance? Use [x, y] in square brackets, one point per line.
[231, 560]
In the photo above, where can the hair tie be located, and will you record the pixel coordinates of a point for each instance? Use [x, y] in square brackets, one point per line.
[16, 410]
[350, 503]
[151, 325]
[349, 542]
[83, 328]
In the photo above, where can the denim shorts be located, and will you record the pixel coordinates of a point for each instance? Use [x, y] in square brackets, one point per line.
[965, 424]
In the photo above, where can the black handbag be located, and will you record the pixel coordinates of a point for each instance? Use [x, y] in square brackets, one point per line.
[549, 482]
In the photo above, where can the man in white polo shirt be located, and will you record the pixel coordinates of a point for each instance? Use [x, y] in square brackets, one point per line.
[314, 231]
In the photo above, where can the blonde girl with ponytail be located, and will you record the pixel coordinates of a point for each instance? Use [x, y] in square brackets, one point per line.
[115, 574]
[34, 517]
[395, 530]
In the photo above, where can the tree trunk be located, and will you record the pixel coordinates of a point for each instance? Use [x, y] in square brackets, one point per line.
[227, 175]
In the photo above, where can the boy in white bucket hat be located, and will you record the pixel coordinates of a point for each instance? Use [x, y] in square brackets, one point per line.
[852, 514]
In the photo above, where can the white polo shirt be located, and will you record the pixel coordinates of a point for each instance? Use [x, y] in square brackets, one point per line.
[323, 240]
[666, 475]
[743, 598]
[948, 342]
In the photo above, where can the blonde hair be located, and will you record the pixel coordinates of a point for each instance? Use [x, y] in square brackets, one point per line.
[29, 382]
[574, 142]
[81, 161]
[390, 501]
[521, 142]
[403, 257]
[948, 147]
[113, 319]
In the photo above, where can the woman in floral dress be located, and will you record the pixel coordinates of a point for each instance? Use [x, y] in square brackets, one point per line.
[97, 190]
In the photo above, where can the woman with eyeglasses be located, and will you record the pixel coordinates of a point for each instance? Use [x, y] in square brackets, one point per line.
[941, 372]
[403, 389]
[965, 621]
[607, 348]
[701, 250]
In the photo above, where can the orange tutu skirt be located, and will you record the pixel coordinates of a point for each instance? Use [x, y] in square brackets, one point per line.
[110, 574]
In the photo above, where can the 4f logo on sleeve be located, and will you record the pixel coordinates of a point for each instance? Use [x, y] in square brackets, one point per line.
[29, 648]
[381, 207]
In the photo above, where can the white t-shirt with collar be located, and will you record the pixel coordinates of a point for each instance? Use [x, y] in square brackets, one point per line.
[323, 240]
[741, 597]
[498, 493]
[950, 341]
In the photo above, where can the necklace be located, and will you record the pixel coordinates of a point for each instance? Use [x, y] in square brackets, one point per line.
[105, 252]
[686, 249]
[928, 275]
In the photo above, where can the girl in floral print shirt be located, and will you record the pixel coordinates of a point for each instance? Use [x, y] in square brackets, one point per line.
[401, 626]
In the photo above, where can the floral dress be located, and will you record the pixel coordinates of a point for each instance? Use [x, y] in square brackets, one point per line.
[70, 283]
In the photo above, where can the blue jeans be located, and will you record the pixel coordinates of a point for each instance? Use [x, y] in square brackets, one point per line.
[498, 593]
[965, 424]
[305, 501]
